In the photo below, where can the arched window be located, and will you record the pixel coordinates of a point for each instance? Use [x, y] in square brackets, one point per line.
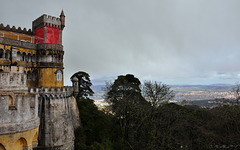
[59, 58]
[2, 147]
[24, 56]
[1, 53]
[29, 75]
[19, 56]
[55, 58]
[59, 75]
[11, 100]
[49, 58]
[33, 76]
[12, 105]
[33, 58]
[7, 54]
[28, 58]
[20, 144]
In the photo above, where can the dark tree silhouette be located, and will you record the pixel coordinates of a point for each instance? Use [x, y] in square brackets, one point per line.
[157, 93]
[84, 84]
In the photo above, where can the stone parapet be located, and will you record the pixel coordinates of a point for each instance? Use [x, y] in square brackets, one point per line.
[9, 128]
[17, 43]
[13, 88]
[65, 91]
[50, 46]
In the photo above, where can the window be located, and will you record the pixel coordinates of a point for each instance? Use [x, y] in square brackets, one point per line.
[33, 76]
[1, 53]
[7, 54]
[29, 75]
[24, 56]
[59, 75]
[32, 102]
[11, 79]
[12, 105]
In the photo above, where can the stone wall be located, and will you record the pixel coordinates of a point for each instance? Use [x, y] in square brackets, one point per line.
[59, 116]
[13, 78]
[19, 119]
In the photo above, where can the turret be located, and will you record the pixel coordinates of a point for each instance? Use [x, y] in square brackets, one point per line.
[48, 37]
[75, 86]
[62, 19]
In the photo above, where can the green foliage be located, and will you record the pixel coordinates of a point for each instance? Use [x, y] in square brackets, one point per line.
[140, 124]
[84, 84]
[98, 131]
[127, 104]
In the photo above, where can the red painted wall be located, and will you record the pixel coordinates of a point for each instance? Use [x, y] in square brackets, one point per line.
[39, 35]
[52, 35]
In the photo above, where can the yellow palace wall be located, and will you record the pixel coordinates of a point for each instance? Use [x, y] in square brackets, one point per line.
[47, 78]
[16, 141]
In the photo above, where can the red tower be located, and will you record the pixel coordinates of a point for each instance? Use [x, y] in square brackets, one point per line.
[48, 38]
[48, 29]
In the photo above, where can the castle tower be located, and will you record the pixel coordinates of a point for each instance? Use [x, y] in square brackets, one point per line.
[48, 37]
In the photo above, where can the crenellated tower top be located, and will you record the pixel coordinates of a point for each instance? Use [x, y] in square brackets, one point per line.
[48, 29]
[46, 20]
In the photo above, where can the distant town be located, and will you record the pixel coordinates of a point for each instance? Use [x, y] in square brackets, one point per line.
[202, 95]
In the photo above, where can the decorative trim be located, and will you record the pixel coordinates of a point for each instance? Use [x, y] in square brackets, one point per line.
[50, 46]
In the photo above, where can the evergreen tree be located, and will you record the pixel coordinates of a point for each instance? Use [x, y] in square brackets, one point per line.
[84, 84]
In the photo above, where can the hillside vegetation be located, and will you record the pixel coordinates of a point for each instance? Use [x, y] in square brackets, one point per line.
[142, 119]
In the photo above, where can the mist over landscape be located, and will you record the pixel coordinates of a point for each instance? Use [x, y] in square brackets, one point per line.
[187, 92]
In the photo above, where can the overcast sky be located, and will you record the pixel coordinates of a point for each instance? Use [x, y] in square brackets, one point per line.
[173, 41]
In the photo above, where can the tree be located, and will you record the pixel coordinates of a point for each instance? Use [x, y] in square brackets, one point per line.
[156, 92]
[84, 84]
[126, 101]
[98, 131]
[236, 92]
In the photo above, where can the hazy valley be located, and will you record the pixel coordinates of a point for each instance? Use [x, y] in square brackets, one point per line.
[203, 95]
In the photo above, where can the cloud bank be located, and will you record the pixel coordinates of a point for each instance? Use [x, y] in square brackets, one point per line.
[177, 42]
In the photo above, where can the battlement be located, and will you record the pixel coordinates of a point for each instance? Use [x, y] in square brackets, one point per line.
[46, 20]
[17, 30]
[52, 90]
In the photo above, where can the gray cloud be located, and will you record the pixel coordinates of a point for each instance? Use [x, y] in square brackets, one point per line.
[178, 42]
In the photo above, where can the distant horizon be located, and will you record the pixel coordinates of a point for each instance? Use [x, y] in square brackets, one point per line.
[172, 82]
[217, 84]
